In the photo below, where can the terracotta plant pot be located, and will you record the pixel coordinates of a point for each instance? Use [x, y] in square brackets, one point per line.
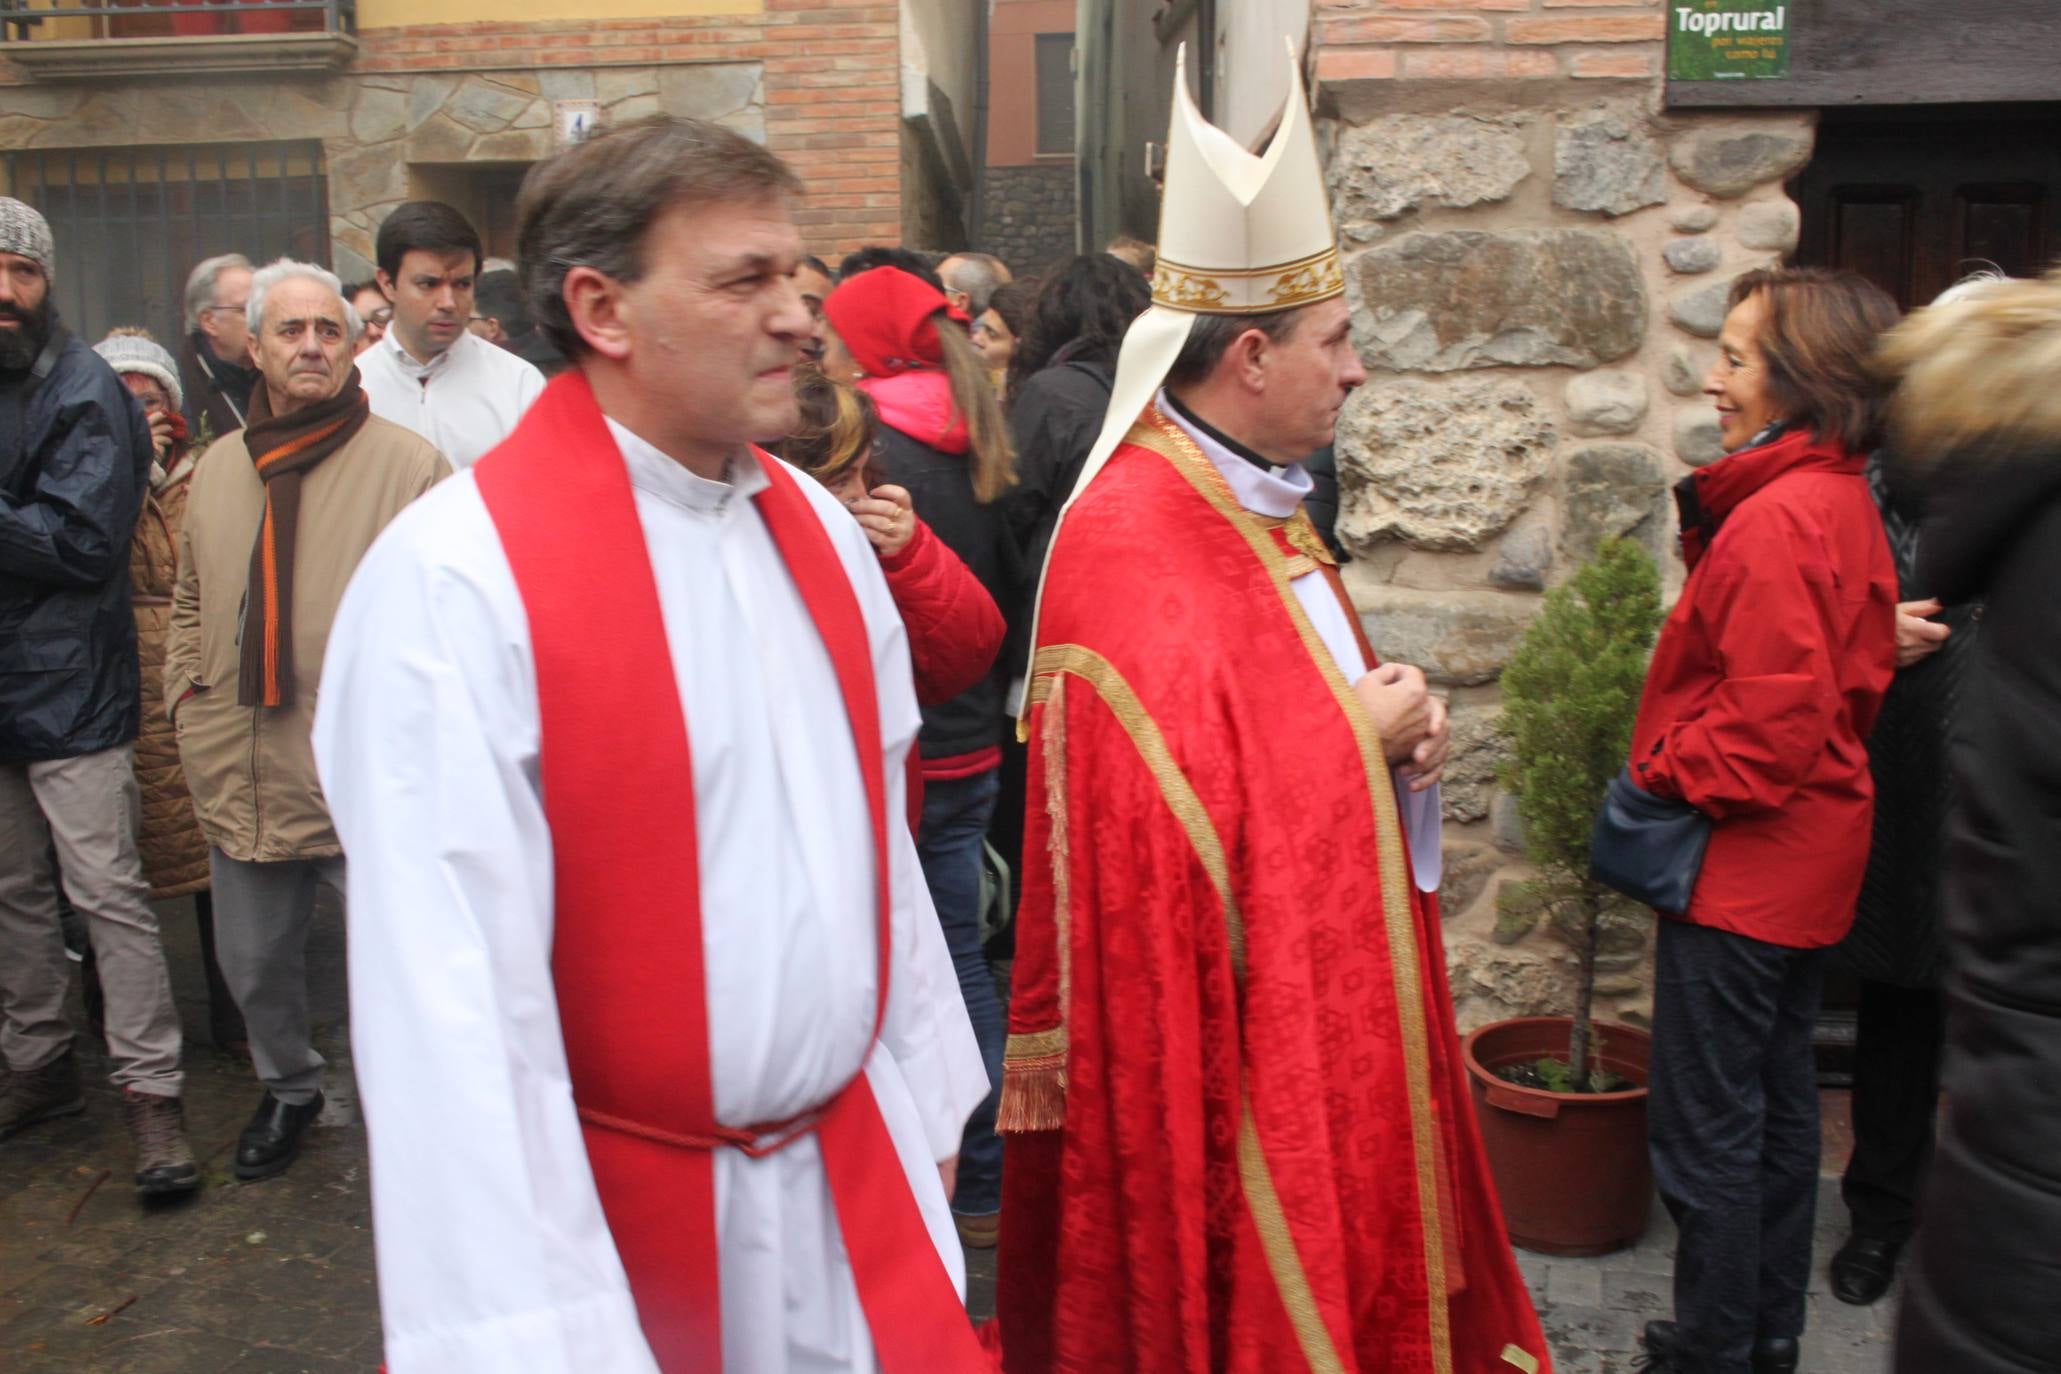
[1571, 1168]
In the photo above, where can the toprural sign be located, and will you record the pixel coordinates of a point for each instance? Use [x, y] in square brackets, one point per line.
[1727, 40]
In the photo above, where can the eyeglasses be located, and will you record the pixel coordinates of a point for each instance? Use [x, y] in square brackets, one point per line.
[381, 317]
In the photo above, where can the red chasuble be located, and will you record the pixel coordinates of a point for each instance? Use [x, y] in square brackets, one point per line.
[1240, 1132]
[618, 784]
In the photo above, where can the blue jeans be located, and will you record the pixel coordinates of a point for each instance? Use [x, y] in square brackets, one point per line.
[955, 820]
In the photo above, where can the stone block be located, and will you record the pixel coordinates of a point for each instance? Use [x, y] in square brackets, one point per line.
[1690, 256]
[1603, 164]
[1701, 310]
[613, 85]
[633, 107]
[565, 85]
[1442, 467]
[438, 139]
[1479, 751]
[1458, 638]
[484, 107]
[514, 145]
[1692, 219]
[1730, 158]
[711, 90]
[427, 96]
[378, 115]
[1492, 981]
[1398, 163]
[1613, 491]
[1506, 823]
[367, 176]
[1698, 440]
[1442, 302]
[1607, 402]
[1523, 559]
[1769, 225]
[1684, 369]
[1468, 868]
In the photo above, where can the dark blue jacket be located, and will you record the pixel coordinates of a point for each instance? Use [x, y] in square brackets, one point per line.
[74, 465]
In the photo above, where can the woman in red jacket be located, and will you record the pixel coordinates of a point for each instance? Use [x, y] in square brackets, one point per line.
[1762, 691]
[955, 628]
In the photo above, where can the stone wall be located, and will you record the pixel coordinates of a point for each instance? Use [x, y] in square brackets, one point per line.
[1538, 254]
[1029, 213]
[816, 80]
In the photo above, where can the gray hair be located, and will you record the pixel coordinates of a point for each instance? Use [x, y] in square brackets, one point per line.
[1986, 284]
[1211, 336]
[286, 269]
[202, 280]
[593, 204]
[977, 274]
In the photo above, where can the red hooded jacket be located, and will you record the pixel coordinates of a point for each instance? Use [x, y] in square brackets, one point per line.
[1766, 682]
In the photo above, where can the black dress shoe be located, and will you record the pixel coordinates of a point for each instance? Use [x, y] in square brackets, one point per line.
[1863, 1269]
[273, 1137]
[1771, 1354]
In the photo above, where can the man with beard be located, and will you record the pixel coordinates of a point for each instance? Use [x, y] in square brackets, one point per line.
[431, 372]
[75, 455]
[214, 368]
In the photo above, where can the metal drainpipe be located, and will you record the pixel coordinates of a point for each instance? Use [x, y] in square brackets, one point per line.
[976, 209]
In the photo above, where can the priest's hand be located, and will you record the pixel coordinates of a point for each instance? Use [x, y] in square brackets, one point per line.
[948, 1174]
[1396, 696]
[889, 518]
[1428, 760]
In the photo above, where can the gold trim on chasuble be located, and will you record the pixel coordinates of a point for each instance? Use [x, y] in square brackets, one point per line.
[1048, 683]
[1159, 434]
[1034, 1062]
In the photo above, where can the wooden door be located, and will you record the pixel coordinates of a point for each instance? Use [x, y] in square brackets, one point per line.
[1917, 199]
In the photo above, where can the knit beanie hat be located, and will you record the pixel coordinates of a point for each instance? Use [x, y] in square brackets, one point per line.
[888, 321]
[135, 353]
[23, 230]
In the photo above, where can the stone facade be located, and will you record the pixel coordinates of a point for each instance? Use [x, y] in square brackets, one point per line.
[1538, 255]
[1029, 213]
[816, 80]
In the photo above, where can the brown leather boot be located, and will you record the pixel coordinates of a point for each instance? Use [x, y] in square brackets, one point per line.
[27, 1097]
[164, 1161]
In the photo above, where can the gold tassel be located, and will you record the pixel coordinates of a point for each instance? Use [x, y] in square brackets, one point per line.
[1033, 1095]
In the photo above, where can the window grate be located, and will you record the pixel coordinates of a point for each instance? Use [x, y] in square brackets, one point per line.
[130, 223]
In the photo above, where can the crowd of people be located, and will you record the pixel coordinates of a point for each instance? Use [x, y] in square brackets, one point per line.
[687, 807]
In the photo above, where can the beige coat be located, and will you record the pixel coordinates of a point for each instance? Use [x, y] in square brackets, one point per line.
[252, 769]
[175, 857]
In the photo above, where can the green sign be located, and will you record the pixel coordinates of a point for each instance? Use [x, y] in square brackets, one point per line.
[1727, 40]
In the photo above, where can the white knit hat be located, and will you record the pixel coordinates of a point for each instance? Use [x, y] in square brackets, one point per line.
[135, 353]
[23, 230]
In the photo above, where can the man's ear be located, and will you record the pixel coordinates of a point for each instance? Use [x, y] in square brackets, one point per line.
[384, 283]
[600, 311]
[1248, 357]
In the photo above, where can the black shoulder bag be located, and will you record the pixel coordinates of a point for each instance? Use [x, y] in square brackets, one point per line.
[1648, 847]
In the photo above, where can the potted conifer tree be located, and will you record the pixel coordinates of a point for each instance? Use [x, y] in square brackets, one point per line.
[1562, 1099]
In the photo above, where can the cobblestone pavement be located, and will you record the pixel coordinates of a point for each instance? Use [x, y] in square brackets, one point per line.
[276, 1277]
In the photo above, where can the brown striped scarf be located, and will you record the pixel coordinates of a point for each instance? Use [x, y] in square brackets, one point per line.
[284, 447]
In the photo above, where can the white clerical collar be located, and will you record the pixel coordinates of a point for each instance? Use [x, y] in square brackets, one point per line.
[1274, 493]
[651, 471]
[422, 372]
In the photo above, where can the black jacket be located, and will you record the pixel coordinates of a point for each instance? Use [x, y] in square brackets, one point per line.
[1983, 391]
[217, 393]
[941, 487]
[1054, 420]
[1895, 937]
[74, 466]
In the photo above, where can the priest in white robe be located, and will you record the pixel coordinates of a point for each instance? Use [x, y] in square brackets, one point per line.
[515, 1009]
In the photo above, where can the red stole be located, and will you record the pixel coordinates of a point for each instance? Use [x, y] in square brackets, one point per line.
[618, 785]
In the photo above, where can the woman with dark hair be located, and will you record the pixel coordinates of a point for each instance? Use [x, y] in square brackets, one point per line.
[1764, 685]
[1059, 383]
[999, 329]
[943, 440]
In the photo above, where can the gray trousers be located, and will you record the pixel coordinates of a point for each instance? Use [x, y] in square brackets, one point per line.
[262, 913]
[89, 809]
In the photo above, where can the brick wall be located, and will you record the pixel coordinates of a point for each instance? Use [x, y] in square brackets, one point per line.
[832, 88]
[1471, 40]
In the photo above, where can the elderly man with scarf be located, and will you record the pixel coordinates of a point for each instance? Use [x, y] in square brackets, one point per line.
[279, 515]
